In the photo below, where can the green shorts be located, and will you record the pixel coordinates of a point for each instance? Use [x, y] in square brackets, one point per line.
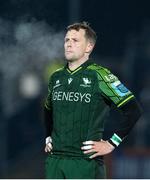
[73, 168]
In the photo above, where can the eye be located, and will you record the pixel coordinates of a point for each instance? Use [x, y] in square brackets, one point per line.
[75, 40]
[66, 40]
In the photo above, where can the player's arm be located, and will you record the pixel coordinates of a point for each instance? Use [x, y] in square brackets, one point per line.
[131, 112]
[48, 119]
[115, 92]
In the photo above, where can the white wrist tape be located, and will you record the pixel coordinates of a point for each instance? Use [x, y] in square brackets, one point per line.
[116, 139]
[48, 140]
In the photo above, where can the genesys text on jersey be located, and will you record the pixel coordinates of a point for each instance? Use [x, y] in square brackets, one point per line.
[71, 96]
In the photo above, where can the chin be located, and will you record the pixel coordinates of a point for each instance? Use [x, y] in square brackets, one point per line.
[69, 59]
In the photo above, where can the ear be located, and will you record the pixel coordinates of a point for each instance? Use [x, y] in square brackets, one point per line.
[89, 47]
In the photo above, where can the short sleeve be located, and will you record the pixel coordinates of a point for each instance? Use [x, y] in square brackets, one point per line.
[112, 88]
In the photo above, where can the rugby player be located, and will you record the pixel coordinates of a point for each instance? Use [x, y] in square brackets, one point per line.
[79, 99]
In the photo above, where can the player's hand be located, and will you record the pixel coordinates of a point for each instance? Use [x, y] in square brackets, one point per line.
[48, 146]
[97, 148]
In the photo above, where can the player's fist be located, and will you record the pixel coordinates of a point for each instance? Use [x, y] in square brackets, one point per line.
[48, 143]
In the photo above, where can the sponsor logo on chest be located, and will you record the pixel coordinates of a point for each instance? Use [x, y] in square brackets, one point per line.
[72, 96]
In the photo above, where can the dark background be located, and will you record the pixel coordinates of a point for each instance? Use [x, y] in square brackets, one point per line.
[31, 37]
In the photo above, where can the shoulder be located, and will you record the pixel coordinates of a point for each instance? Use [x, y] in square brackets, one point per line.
[55, 75]
[57, 72]
[102, 72]
[98, 68]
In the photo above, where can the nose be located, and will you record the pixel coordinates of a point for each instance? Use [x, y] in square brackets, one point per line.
[69, 44]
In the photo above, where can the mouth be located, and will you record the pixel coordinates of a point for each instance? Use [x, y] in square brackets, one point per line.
[68, 51]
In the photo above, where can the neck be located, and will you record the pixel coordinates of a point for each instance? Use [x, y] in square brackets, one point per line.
[75, 64]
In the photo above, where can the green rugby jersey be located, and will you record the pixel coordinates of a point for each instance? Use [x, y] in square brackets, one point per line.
[79, 102]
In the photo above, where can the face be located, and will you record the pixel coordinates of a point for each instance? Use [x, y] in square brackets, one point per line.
[76, 45]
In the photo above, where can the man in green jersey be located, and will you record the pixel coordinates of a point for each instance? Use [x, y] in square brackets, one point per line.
[79, 98]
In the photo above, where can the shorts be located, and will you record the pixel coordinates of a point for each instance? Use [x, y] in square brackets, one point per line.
[74, 168]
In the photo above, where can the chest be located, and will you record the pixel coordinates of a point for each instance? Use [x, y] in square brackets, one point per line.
[78, 88]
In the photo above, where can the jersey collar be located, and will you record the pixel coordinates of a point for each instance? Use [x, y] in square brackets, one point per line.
[81, 67]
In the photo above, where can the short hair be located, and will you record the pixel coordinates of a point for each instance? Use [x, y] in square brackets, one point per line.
[89, 32]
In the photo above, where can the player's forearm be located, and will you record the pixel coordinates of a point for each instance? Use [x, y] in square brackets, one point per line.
[131, 113]
[48, 122]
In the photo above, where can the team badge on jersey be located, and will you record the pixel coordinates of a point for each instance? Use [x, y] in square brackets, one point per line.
[70, 80]
[119, 88]
[86, 82]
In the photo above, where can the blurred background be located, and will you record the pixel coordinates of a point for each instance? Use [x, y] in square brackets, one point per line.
[31, 48]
